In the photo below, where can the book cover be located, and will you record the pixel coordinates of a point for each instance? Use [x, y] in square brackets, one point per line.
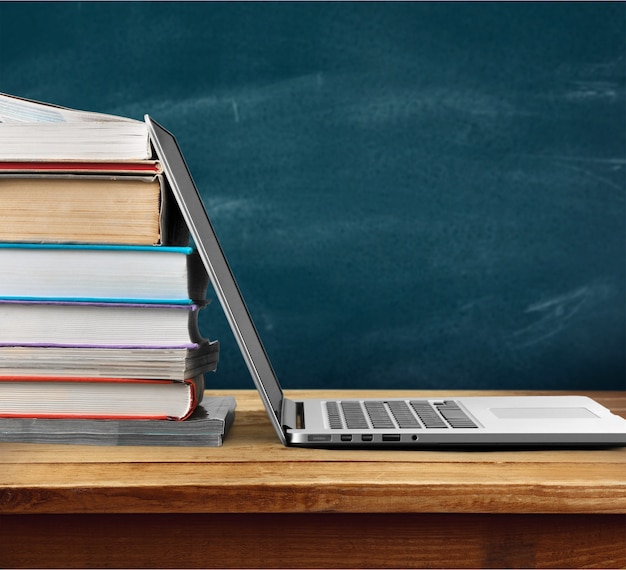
[140, 167]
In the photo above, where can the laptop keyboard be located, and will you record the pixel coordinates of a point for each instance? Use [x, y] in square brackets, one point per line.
[397, 414]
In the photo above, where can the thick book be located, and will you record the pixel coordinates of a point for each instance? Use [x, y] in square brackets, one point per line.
[59, 208]
[89, 272]
[206, 427]
[35, 130]
[99, 398]
[159, 363]
[114, 325]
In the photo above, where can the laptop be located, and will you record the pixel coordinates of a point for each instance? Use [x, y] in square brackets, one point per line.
[384, 422]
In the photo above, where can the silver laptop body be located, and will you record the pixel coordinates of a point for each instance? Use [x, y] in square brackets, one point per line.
[385, 422]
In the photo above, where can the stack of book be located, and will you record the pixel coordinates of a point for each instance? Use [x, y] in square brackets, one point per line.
[99, 289]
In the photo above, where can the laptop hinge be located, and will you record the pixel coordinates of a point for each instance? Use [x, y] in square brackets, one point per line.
[293, 414]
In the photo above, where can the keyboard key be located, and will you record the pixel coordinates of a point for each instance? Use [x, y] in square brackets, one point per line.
[354, 415]
[455, 416]
[378, 415]
[403, 415]
[334, 418]
[427, 414]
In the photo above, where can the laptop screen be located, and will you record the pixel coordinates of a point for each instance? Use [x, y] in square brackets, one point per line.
[219, 271]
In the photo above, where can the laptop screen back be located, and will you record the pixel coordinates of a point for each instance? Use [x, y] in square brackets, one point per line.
[219, 271]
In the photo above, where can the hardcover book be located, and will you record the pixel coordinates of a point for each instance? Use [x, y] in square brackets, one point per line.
[99, 398]
[80, 208]
[98, 324]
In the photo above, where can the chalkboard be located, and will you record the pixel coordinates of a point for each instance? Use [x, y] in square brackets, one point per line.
[411, 195]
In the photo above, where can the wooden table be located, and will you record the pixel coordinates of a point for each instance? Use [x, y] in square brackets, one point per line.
[255, 503]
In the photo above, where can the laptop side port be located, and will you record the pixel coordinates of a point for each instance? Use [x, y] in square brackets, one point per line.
[391, 437]
[367, 437]
[346, 437]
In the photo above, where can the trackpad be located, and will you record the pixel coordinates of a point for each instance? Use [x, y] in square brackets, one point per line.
[543, 413]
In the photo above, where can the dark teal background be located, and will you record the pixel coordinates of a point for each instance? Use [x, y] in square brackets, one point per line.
[410, 195]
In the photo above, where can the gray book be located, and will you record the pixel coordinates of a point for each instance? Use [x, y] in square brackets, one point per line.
[206, 427]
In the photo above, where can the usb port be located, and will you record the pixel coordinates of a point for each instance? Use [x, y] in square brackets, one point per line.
[367, 437]
[391, 437]
[346, 437]
[318, 438]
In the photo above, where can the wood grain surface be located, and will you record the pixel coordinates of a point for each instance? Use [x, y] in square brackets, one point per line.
[341, 508]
